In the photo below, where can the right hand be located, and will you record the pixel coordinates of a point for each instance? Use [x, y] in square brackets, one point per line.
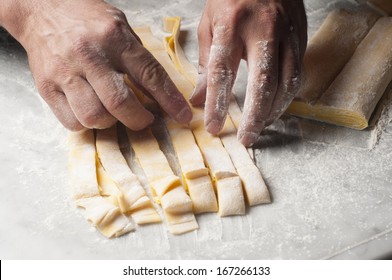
[271, 36]
[79, 52]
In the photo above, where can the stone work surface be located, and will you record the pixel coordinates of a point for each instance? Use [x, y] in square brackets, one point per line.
[331, 187]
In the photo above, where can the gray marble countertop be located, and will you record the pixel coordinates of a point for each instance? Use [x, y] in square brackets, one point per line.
[331, 187]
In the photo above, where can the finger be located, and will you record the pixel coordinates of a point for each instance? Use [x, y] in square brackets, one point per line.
[86, 105]
[59, 105]
[261, 89]
[145, 70]
[299, 24]
[289, 78]
[224, 58]
[140, 92]
[205, 39]
[118, 99]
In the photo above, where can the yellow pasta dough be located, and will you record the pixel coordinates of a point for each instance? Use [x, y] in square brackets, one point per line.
[215, 155]
[165, 185]
[352, 96]
[255, 189]
[132, 197]
[106, 187]
[83, 178]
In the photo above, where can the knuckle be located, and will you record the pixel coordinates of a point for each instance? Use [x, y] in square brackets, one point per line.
[263, 87]
[234, 12]
[270, 30]
[273, 13]
[45, 87]
[221, 57]
[73, 125]
[150, 71]
[220, 74]
[292, 84]
[92, 117]
[116, 102]
[271, 18]
[87, 51]
[228, 24]
[69, 81]
[69, 120]
[113, 28]
[80, 45]
[267, 81]
[54, 69]
[201, 31]
[117, 14]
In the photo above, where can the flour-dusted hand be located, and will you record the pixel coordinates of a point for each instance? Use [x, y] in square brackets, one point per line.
[271, 35]
[79, 52]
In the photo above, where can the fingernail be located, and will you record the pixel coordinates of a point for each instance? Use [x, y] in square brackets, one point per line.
[201, 83]
[141, 125]
[213, 127]
[185, 115]
[248, 139]
[193, 95]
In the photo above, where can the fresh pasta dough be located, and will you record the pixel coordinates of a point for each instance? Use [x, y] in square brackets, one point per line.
[214, 153]
[218, 173]
[131, 196]
[105, 216]
[350, 98]
[165, 185]
[253, 184]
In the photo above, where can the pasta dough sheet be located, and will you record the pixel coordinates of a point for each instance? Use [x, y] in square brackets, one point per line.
[340, 47]
[352, 96]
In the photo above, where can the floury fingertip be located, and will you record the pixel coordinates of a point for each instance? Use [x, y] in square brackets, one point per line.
[248, 139]
[185, 115]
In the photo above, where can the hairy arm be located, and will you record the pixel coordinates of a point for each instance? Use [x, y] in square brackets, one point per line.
[78, 53]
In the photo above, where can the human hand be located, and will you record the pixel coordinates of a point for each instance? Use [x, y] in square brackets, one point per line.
[79, 52]
[271, 35]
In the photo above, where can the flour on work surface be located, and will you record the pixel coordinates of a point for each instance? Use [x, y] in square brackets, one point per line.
[346, 187]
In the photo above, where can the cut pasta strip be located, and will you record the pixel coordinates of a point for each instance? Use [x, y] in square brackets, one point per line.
[130, 194]
[255, 189]
[142, 210]
[194, 172]
[188, 70]
[165, 186]
[215, 156]
[83, 178]
[107, 188]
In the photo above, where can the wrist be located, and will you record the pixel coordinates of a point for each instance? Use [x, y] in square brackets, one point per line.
[15, 15]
